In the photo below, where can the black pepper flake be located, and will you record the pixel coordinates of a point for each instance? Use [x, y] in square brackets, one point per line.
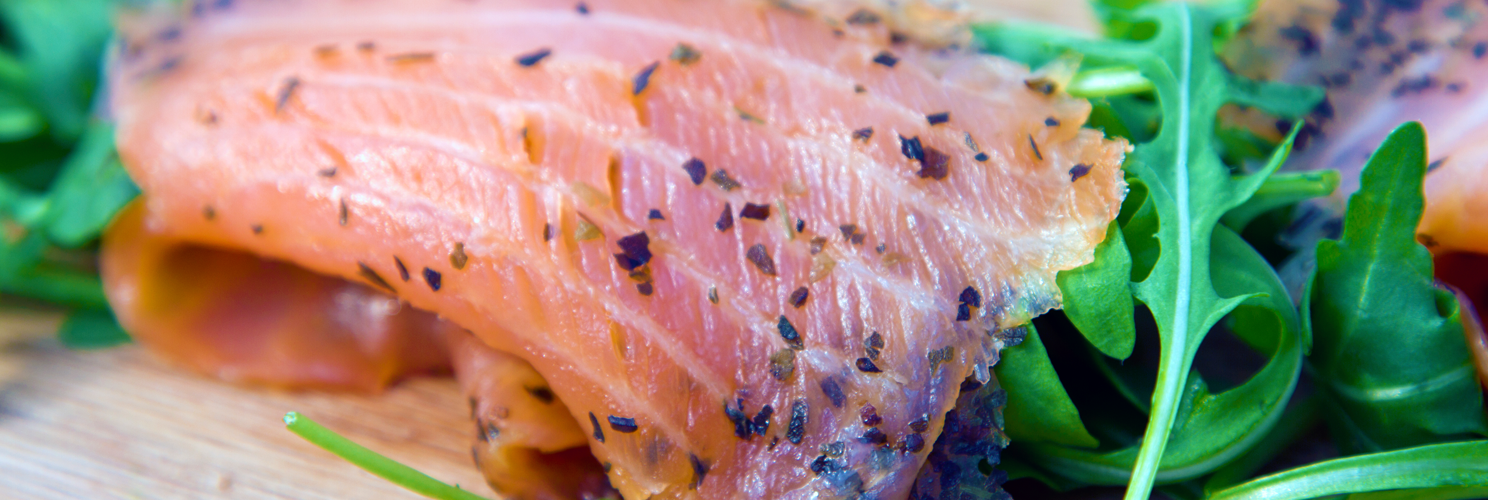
[368, 274]
[833, 391]
[897, 38]
[622, 424]
[598, 431]
[286, 92]
[637, 251]
[699, 470]
[755, 211]
[761, 259]
[743, 429]
[344, 215]
[542, 393]
[655, 214]
[863, 134]
[685, 54]
[874, 436]
[1078, 171]
[722, 179]
[1307, 42]
[458, 257]
[789, 333]
[548, 231]
[857, 238]
[963, 312]
[366, 46]
[982, 157]
[326, 172]
[761, 421]
[911, 148]
[713, 294]
[747, 116]
[583, 9]
[726, 219]
[639, 82]
[798, 297]
[863, 16]
[257, 229]
[402, 269]
[783, 364]
[433, 278]
[817, 244]
[1034, 145]
[833, 449]
[881, 248]
[869, 415]
[823, 465]
[935, 165]
[858, 88]
[921, 424]
[971, 296]
[411, 57]
[209, 213]
[696, 170]
[938, 356]
[885, 58]
[796, 429]
[913, 443]
[1435, 164]
[848, 230]
[531, 59]
[1041, 85]
[866, 365]
[938, 118]
[1051, 122]
[1479, 50]
[645, 288]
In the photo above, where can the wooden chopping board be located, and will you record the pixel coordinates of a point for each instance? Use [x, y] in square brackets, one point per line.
[119, 423]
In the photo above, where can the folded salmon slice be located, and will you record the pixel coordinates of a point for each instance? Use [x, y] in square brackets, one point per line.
[718, 230]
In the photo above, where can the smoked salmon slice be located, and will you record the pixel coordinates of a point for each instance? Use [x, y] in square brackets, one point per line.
[1384, 63]
[718, 231]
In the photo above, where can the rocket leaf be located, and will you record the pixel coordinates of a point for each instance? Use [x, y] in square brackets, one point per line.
[1451, 465]
[1389, 354]
[1190, 189]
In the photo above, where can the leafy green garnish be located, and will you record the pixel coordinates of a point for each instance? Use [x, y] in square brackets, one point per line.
[1389, 353]
[60, 179]
[1455, 465]
[1098, 300]
[91, 329]
[1040, 410]
[371, 461]
[1187, 190]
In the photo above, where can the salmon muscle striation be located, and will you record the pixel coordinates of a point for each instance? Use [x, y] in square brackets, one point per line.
[554, 177]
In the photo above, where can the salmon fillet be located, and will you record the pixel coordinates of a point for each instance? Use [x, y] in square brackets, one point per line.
[1384, 63]
[718, 230]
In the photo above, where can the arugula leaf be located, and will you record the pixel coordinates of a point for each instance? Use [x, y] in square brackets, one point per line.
[1451, 464]
[90, 189]
[1097, 299]
[371, 461]
[60, 45]
[1038, 408]
[1215, 428]
[1389, 355]
[91, 329]
[1189, 190]
[1281, 190]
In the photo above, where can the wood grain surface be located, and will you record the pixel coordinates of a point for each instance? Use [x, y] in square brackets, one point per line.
[119, 423]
